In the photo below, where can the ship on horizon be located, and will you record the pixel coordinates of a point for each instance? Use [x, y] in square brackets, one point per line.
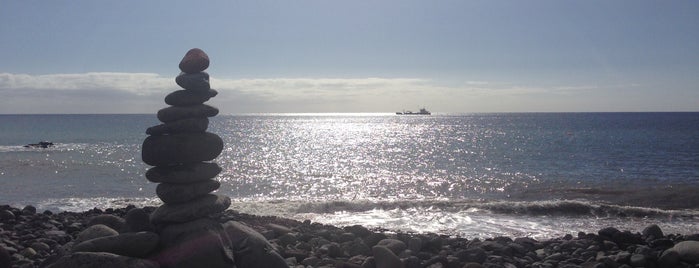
[422, 111]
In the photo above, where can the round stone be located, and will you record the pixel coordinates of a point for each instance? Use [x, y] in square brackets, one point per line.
[172, 193]
[189, 125]
[183, 173]
[192, 210]
[174, 113]
[126, 244]
[189, 97]
[194, 81]
[169, 150]
[194, 61]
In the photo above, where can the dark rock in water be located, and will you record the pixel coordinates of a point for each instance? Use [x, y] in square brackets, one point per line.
[178, 193]
[199, 243]
[189, 97]
[194, 81]
[126, 244]
[101, 260]
[137, 220]
[95, 231]
[194, 61]
[29, 210]
[188, 173]
[112, 221]
[169, 150]
[251, 248]
[195, 209]
[608, 232]
[189, 125]
[174, 113]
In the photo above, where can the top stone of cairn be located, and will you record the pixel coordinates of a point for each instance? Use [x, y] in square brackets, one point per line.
[194, 61]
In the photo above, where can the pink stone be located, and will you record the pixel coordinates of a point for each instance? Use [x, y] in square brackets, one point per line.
[194, 61]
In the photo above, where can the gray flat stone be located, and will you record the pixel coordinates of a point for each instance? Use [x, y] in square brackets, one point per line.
[189, 97]
[174, 113]
[171, 193]
[168, 150]
[195, 209]
[188, 173]
[189, 125]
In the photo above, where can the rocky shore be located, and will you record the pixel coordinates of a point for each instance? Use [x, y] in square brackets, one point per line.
[29, 238]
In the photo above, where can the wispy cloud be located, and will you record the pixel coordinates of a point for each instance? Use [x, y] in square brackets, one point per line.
[108, 92]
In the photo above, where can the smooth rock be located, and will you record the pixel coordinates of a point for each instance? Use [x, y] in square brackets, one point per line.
[385, 258]
[195, 209]
[188, 173]
[251, 249]
[101, 260]
[688, 251]
[669, 258]
[112, 221]
[95, 231]
[474, 254]
[394, 245]
[126, 244]
[29, 210]
[137, 220]
[189, 97]
[195, 60]
[174, 113]
[169, 150]
[653, 231]
[198, 243]
[6, 215]
[194, 81]
[5, 257]
[189, 125]
[171, 193]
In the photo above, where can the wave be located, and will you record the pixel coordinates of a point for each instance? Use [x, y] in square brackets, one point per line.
[532, 208]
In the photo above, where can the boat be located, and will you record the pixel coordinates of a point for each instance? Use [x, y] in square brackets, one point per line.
[422, 111]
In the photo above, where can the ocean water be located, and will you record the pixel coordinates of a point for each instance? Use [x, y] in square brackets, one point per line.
[473, 175]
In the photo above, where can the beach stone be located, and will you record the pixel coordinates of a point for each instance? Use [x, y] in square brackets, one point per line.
[195, 209]
[174, 113]
[394, 245]
[5, 257]
[137, 220]
[95, 231]
[251, 248]
[112, 221]
[29, 210]
[126, 244]
[688, 251]
[195, 60]
[474, 254]
[101, 260]
[189, 97]
[653, 231]
[6, 215]
[189, 125]
[178, 193]
[198, 243]
[187, 173]
[669, 258]
[193, 81]
[385, 258]
[177, 149]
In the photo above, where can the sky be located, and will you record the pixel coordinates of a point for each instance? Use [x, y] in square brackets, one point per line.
[308, 56]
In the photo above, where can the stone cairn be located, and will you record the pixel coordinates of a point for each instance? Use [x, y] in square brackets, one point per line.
[187, 230]
[179, 149]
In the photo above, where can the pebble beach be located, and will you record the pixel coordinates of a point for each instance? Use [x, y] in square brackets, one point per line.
[30, 238]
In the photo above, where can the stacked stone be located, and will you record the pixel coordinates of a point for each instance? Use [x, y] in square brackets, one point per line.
[180, 150]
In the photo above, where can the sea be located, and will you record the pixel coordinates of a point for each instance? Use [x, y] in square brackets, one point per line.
[540, 175]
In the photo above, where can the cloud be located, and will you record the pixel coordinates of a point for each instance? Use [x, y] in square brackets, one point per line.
[109, 92]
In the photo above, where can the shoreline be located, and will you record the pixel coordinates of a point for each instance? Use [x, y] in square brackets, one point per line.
[36, 239]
